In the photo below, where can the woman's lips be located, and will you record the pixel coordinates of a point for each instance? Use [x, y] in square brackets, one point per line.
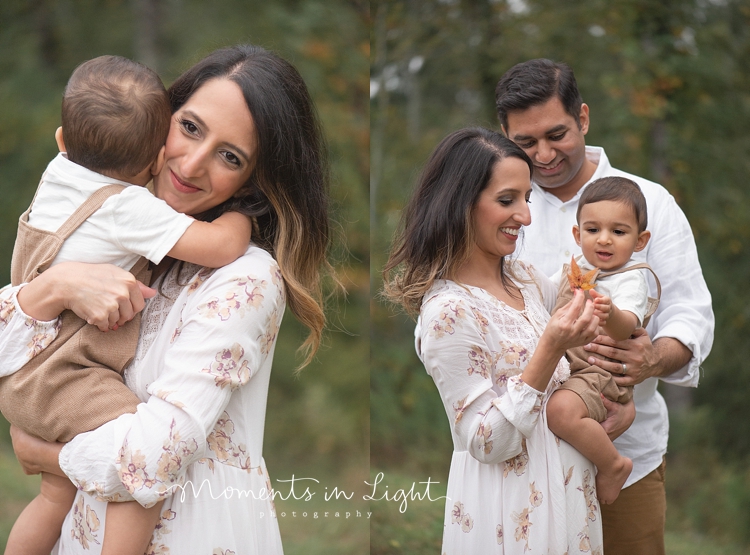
[182, 186]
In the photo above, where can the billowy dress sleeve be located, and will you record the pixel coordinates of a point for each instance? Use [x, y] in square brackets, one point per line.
[477, 372]
[21, 336]
[227, 328]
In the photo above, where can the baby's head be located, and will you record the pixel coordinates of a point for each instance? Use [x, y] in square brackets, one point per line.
[612, 222]
[115, 118]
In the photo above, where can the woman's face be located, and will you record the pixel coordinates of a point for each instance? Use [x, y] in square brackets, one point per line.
[210, 150]
[502, 208]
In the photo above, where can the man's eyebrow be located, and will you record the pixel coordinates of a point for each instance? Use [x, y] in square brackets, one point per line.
[202, 123]
[551, 131]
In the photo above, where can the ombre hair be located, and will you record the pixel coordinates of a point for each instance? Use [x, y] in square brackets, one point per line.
[436, 233]
[287, 192]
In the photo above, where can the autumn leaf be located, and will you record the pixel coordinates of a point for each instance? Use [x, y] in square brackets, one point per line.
[578, 280]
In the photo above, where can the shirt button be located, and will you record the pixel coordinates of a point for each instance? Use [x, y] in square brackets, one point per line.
[563, 209]
[567, 253]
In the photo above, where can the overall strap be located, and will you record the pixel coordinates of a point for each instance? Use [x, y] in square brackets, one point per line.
[639, 266]
[89, 206]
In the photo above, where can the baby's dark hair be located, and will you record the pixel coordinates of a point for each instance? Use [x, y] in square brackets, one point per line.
[115, 115]
[618, 189]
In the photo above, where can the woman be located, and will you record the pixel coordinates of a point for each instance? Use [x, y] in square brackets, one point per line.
[485, 336]
[244, 136]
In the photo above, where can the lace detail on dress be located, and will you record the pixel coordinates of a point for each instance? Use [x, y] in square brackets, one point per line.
[169, 286]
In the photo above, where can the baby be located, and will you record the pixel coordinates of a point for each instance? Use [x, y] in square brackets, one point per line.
[611, 226]
[92, 206]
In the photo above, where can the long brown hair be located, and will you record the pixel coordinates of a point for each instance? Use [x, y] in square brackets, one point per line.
[436, 233]
[287, 192]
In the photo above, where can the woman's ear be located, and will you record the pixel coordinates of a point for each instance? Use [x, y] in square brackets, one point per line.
[643, 238]
[158, 163]
[59, 139]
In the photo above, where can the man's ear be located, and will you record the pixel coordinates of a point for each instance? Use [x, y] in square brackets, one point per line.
[643, 238]
[158, 163]
[59, 140]
[577, 235]
[583, 118]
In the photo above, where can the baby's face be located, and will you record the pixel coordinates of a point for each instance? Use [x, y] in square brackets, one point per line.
[608, 234]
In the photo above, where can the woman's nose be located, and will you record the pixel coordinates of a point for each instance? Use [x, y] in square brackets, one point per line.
[523, 216]
[193, 162]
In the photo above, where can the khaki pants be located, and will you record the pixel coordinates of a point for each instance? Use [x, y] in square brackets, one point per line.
[634, 523]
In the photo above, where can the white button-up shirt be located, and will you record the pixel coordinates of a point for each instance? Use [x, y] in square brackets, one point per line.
[684, 312]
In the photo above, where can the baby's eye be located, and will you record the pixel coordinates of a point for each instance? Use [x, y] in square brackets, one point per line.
[619, 232]
[592, 229]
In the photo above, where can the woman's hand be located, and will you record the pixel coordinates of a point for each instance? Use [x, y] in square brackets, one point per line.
[572, 325]
[619, 417]
[34, 454]
[102, 294]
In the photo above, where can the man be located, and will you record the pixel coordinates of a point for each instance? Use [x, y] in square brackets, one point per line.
[541, 110]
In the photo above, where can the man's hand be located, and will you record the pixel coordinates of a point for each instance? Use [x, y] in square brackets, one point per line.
[619, 417]
[34, 454]
[635, 359]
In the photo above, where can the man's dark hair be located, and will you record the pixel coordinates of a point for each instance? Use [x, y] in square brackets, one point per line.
[617, 189]
[115, 115]
[533, 83]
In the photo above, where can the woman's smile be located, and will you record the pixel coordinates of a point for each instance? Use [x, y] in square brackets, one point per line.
[181, 185]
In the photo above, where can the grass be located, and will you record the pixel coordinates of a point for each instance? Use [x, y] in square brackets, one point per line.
[16, 490]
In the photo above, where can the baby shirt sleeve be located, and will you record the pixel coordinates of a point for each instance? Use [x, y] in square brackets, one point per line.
[629, 291]
[145, 225]
[21, 336]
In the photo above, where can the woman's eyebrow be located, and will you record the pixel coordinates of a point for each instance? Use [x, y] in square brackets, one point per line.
[203, 124]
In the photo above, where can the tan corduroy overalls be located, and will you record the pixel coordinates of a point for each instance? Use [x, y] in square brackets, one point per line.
[587, 380]
[75, 385]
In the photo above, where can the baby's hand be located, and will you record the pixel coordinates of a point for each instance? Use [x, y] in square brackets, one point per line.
[602, 306]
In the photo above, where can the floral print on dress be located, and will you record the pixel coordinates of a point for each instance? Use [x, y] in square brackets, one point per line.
[220, 442]
[499, 534]
[484, 433]
[524, 524]
[450, 315]
[132, 466]
[229, 368]
[244, 293]
[268, 339]
[589, 493]
[202, 275]
[7, 310]
[156, 546]
[459, 406]
[536, 497]
[462, 518]
[517, 464]
[220, 551]
[481, 362]
[85, 524]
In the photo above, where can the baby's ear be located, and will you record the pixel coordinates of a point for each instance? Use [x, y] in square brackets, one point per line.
[59, 139]
[577, 235]
[643, 238]
[158, 163]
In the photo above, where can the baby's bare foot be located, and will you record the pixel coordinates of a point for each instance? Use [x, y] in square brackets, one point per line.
[609, 481]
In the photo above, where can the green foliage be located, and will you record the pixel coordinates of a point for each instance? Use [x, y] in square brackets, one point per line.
[317, 423]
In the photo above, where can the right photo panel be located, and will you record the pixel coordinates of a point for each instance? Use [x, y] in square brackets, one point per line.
[559, 245]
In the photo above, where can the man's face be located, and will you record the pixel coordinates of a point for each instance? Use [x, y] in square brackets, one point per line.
[554, 142]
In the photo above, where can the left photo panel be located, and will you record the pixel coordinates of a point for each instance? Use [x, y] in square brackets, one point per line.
[184, 235]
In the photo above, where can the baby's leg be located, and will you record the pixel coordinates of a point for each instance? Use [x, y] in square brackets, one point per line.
[568, 418]
[129, 528]
[38, 527]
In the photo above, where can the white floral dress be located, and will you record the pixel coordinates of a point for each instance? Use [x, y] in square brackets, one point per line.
[201, 369]
[513, 488]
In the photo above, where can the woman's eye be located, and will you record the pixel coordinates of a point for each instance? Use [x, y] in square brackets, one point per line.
[189, 126]
[232, 158]
[505, 201]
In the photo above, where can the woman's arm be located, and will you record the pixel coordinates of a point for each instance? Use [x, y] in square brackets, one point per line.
[228, 328]
[102, 294]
